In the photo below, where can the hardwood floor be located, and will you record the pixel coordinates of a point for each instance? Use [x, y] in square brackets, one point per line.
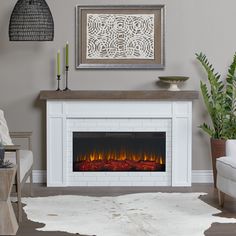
[28, 228]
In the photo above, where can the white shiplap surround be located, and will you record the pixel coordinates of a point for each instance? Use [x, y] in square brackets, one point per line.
[172, 117]
[118, 178]
[198, 176]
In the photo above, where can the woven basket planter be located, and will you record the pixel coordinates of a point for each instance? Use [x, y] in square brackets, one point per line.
[217, 150]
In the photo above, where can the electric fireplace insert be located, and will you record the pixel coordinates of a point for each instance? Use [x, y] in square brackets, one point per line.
[119, 151]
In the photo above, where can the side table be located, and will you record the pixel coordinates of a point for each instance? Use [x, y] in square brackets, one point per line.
[16, 148]
[8, 222]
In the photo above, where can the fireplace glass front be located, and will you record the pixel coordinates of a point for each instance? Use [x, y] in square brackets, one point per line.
[119, 151]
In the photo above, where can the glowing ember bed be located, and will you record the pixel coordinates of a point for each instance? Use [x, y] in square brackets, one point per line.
[119, 151]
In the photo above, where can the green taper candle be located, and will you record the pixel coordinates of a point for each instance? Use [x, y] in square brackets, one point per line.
[58, 63]
[67, 53]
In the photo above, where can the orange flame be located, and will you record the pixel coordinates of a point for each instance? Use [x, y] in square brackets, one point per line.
[121, 156]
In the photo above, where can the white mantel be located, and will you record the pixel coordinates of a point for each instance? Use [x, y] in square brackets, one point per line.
[64, 115]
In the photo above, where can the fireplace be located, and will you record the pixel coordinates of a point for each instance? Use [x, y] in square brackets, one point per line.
[82, 118]
[119, 151]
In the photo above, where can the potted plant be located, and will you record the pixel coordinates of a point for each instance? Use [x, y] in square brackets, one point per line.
[220, 102]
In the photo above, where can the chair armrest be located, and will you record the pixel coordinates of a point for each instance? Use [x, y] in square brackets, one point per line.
[231, 147]
[23, 135]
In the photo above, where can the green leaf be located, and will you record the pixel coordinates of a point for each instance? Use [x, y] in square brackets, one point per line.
[207, 129]
[218, 99]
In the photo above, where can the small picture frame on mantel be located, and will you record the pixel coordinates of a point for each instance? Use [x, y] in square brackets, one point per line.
[120, 37]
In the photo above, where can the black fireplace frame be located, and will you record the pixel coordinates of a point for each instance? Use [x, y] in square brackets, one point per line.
[105, 135]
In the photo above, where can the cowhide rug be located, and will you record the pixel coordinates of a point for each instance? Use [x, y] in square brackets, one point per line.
[144, 214]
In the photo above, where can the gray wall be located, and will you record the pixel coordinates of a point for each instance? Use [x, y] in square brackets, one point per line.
[28, 67]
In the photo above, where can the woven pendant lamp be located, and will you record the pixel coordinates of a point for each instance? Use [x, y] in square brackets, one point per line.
[31, 20]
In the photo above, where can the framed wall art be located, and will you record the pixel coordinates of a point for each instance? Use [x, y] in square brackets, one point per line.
[120, 37]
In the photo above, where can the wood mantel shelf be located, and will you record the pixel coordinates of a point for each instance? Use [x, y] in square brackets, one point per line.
[121, 95]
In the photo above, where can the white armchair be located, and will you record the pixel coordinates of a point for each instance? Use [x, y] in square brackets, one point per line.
[226, 172]
[14, 154]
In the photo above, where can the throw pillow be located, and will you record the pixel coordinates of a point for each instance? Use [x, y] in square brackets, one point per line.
[5, 138]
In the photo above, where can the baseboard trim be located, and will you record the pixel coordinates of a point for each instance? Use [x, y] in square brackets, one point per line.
[202, 176]
[198, 176]
[39, 176]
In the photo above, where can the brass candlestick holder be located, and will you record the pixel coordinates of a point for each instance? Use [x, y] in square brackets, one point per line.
[67, 78]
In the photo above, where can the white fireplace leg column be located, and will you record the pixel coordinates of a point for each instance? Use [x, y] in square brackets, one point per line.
[182, 144]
